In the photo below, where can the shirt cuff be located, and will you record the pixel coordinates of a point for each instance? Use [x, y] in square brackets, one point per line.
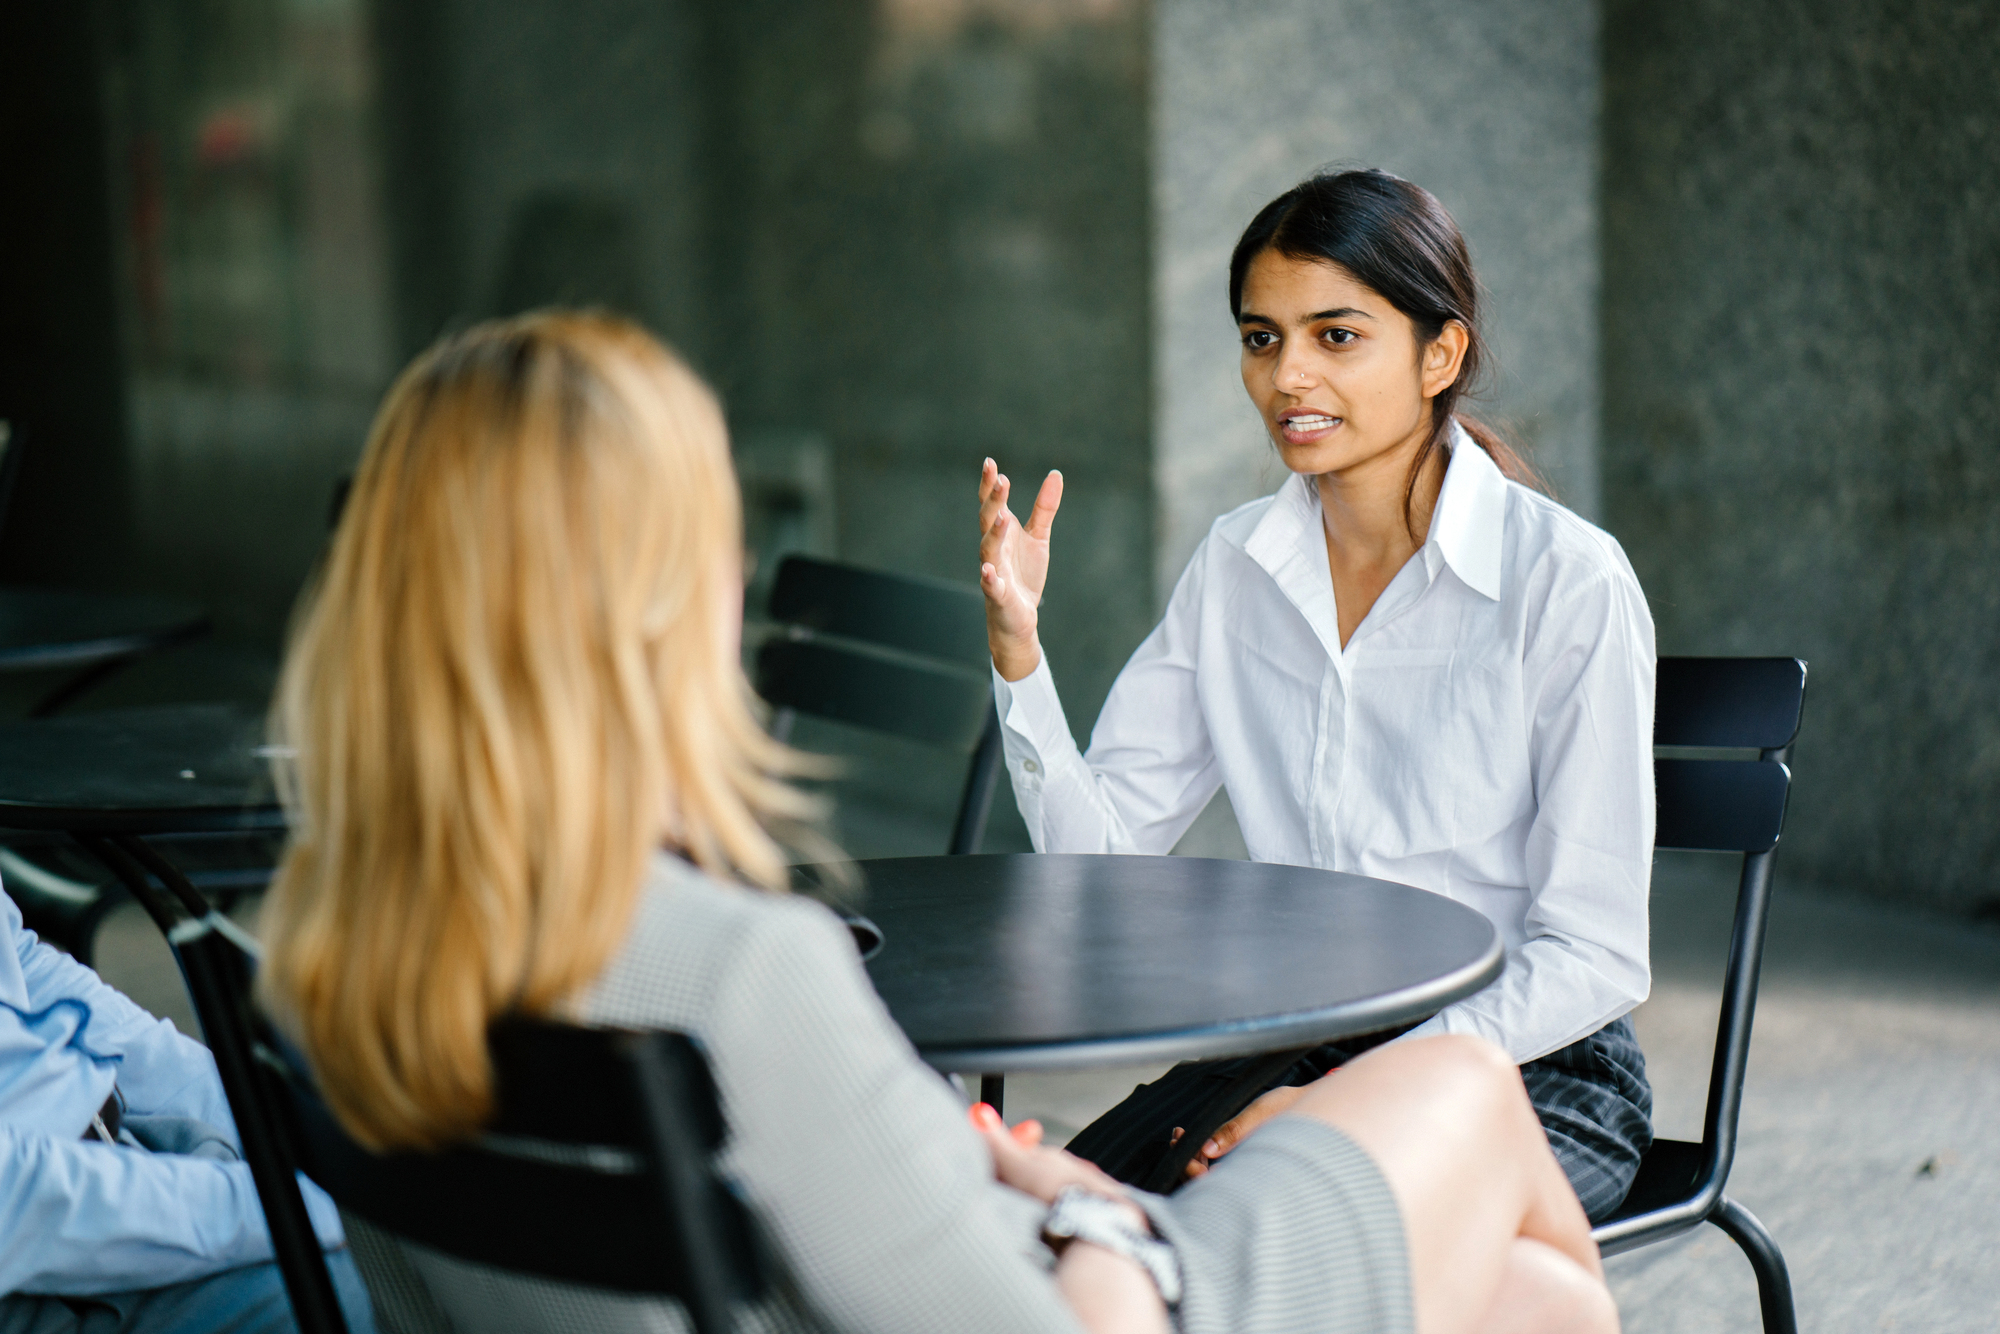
[1032, 711]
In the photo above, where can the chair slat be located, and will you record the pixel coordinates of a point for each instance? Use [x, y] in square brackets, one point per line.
[930, 617]
[1732, 702]
[575, 1203]
[1666, 1176]
[1720, 805]
[934, 703]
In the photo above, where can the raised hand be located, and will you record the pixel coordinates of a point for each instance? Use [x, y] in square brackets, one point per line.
[1014, 566]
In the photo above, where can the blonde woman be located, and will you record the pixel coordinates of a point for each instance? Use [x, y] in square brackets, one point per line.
[529, 778]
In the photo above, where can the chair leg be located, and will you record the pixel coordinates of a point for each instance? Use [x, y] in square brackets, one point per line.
[1774, 1281]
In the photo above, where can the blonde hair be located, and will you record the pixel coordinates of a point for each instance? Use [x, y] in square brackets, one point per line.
[517, 677]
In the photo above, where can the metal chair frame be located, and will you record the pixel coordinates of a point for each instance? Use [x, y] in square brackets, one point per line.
[616, 1189]
[1721, 805]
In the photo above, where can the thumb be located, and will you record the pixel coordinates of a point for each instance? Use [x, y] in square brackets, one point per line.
[1047, 501]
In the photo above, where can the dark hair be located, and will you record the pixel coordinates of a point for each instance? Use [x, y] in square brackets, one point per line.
[1397, 240]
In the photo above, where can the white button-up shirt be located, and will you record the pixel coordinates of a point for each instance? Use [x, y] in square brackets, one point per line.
[1486, 734]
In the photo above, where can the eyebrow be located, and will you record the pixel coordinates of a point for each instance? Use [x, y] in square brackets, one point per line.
[1337, 313]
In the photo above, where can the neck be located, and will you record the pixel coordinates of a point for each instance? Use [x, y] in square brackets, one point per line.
[1367, 521]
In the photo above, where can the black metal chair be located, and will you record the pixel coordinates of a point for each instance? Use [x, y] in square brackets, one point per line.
[1712, 804]
[598, 1169]
[891, 653]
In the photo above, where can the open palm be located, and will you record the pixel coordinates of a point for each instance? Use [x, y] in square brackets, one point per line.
[1014, 568]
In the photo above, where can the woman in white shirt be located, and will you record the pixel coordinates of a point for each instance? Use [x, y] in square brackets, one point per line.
[1407, 663]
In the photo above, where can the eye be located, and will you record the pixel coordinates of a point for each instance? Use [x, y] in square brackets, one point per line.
[1258, 339]
[1340, 337]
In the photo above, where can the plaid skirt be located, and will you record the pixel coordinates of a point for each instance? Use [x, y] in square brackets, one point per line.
[1592, 1097]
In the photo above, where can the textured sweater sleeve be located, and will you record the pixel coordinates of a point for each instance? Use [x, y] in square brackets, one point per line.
[856, 1158]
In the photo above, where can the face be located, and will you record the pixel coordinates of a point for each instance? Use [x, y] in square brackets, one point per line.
[1334, 369]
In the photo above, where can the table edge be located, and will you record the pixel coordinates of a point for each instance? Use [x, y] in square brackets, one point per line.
[1243, 1038]
[142, 820]
[103, 648]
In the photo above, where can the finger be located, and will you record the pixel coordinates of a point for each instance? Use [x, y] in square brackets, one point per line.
[1178, 1132]
[989, 494]
[1047, 501]
[993, 544]
[991, 584]
[1196, 1167]
[1028, 1133]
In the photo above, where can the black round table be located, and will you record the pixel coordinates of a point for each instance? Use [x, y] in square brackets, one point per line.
[1054, 962]
[110, 780]
[177, 769]
[95, 633]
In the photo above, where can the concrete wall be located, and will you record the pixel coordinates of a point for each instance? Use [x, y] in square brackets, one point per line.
[1802, 436]
[897, 235]
[1492, 107]
[934, 249]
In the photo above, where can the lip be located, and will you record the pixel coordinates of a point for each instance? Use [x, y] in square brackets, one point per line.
[1307, 435]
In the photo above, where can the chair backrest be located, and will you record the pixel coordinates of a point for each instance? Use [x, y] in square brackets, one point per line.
[891, 653]
[1729, 805]
[598, 1169]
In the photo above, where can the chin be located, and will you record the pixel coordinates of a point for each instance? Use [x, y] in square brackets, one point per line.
[1312, 460]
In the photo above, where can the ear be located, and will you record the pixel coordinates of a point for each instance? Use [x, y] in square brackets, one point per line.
[1443, 357]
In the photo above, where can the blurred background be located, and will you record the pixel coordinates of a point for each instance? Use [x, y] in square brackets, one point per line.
[1743, 267]
[1742, 261]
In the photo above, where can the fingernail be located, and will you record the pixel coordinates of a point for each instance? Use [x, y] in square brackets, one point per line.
[984, 1117]
[1026, 1129]
[1211, 1150]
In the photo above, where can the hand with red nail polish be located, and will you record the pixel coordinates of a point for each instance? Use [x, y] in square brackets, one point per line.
[1022, 1161]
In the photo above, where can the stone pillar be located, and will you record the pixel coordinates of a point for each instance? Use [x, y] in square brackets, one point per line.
[1493, 108]
[1802, 437]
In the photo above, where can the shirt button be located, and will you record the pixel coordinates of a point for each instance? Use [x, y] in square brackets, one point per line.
[1030, 766]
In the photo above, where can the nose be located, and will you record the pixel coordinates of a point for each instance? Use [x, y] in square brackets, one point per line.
[1292, 374]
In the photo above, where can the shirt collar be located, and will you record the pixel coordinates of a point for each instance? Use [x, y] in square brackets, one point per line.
[1467, 527]
[1470, 521]
[1288, 544]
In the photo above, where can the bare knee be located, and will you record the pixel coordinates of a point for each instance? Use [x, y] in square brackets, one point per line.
[1543, 1291]
[1472, 1077]
[1450, 1107]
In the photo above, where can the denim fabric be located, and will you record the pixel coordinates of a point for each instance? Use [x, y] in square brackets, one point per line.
[250, 1300]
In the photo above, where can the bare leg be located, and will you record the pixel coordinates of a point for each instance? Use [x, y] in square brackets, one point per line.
[1543, 1291]
[1493, 1229]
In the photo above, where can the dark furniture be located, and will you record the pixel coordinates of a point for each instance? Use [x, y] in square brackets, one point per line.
[1710, 804]
[1064, 962]
[891, 653]
[93, 634]
[597, 1170]
[196, 775]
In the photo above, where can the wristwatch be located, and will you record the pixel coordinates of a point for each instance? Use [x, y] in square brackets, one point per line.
[1084, 1215]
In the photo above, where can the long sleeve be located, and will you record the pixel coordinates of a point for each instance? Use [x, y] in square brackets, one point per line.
[856, 1158]
[160, 1071]
[1150, 769]
[1584, 960]
[82, 1218]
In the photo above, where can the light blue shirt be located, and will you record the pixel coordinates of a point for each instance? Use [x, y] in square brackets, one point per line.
[82, 1217]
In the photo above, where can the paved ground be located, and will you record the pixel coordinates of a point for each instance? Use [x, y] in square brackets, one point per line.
[1871, 1124]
